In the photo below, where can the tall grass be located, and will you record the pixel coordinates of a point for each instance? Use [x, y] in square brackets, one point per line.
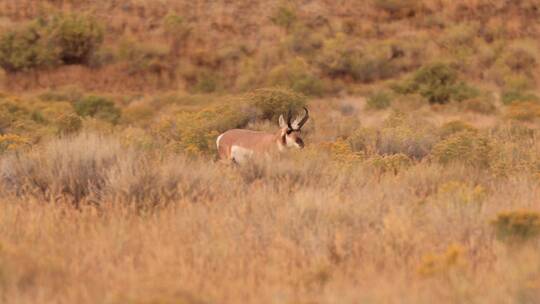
[424, 192]
[167, 229]
[92, 168]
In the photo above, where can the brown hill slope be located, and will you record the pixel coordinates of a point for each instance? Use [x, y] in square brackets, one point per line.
[237, 45]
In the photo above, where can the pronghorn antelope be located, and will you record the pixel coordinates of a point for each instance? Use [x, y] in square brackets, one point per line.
[238, 145]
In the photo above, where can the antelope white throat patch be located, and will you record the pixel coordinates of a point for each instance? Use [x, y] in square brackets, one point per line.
[240, 154]
[290, 143]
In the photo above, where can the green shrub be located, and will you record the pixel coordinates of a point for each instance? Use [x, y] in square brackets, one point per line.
[459, 38]
[284, 16]
[518, 82]
[453, 127]
[308, 84]
[178, 30]
[462, 91]
[465, 147]
[521, 58]
[339, 58]
[435, 82]
[15, 118]
[515, 65]
[207, 81]
[385, 59]
[68, 39]
[69, 93]
[379, 100]
[25, 48]
[438, 83]
[141, 58]
[139, 114]
[298, 76]
[176, 26]
[102, 57]
[37, 116]
[483, 105]
[98, 107]
[517, 226]
[336, 56]
[303, 40]
[459, 43]
[511, 96]
[272, 102]
[78, 37]
[372, 66]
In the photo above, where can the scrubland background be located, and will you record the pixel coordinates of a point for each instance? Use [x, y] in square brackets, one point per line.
[419, 182]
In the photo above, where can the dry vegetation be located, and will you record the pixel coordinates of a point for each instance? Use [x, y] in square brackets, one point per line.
[419, 183]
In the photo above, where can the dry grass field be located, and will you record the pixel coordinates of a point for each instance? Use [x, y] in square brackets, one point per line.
[419, 182]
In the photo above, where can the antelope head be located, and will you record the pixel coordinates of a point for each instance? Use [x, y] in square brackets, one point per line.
[290, 131]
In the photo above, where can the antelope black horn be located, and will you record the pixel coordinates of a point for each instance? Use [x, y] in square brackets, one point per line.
[289, 117]
[304, 119]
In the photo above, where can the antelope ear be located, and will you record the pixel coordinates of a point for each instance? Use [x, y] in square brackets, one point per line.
[282, 123]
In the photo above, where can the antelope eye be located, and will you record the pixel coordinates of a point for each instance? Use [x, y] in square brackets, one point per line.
[289, 131]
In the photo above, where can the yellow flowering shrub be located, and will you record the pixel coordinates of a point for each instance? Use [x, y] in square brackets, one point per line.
[465, 147]
[408, 134]
[341, 152]
[444, 263]
[196, 132]
[390, 163]
[400, 134]
[137, 137]
[524, 111]
[13, 142]
[458, 192]
[364, 140]
[272, 102]
[298, 75]
[455, 126]
[69, 124]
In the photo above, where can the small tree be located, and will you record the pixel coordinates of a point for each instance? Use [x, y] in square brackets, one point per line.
[435, 82]
[25, 48]
[78, 37]
[98, 107]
